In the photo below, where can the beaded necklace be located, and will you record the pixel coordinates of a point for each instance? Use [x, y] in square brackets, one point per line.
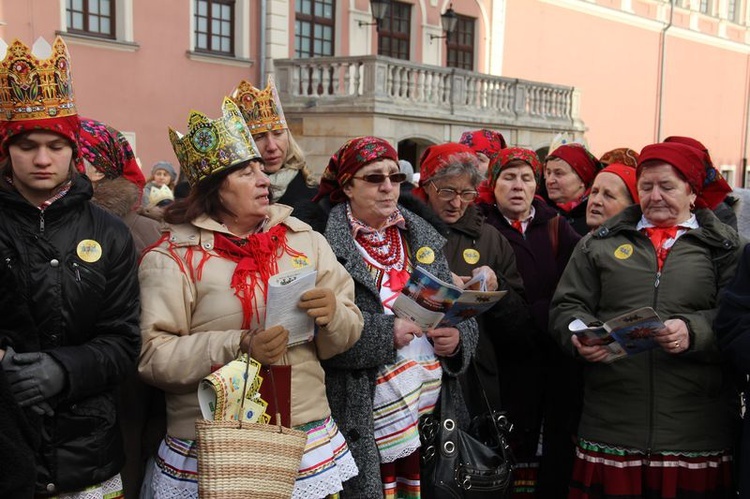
[386, 250]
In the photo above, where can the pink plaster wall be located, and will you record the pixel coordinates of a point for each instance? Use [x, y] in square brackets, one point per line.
[143, 91]
[616, 68]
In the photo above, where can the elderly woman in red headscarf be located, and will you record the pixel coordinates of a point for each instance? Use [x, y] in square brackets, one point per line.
[448, 184]
[613, 190]
[568, 174]
[658, 423]
[486, 144]
[392, 376]
[543, 242]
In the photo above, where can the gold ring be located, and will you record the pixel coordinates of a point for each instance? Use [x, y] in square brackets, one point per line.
[677, 344]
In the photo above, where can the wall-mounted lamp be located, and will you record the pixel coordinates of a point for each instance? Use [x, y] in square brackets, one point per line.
[379, 10]
[449, 20]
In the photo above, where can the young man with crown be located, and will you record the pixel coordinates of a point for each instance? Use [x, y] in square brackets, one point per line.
[204, 288]
[284, 161]
[74, 265]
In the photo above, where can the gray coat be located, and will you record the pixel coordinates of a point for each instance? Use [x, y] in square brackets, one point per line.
[350, 376]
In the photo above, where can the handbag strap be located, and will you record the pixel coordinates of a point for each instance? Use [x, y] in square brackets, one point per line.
[481, 387]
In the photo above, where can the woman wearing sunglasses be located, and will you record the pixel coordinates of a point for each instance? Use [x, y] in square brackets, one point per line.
[391, 376]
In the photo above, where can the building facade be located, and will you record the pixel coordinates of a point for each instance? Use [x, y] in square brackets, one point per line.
[612, 72]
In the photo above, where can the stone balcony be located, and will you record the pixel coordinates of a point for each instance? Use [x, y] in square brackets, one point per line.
[330, 99]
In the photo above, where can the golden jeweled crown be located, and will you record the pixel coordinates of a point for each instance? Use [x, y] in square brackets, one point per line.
[261, 108]
[35, 83]
[211, 146]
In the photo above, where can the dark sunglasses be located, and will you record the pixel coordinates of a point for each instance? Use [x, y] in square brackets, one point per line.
[379, 178]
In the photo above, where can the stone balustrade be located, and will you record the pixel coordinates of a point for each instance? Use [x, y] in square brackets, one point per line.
[386, 86]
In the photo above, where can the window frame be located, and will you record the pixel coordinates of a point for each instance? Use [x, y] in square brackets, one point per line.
[454, 47]
[85, 31]
[209, 34]
[384, 31]
[314, 21]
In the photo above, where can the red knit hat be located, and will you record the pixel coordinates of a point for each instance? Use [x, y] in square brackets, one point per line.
[687, 160]
[580, 159]
[628, 175]
[437, 157]
[715, 188]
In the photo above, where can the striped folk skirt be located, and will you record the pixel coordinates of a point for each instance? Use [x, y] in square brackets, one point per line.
[607, 472]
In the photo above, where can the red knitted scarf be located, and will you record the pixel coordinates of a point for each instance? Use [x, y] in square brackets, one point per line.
[257, 260]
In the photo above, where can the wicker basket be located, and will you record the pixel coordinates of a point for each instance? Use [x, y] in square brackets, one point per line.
[241, 460]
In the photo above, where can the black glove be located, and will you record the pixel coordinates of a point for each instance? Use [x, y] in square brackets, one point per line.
[7, 362]
[39, 378]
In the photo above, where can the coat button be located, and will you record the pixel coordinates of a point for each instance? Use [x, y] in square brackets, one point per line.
[352, 435]
[54, 262]
[51, 487]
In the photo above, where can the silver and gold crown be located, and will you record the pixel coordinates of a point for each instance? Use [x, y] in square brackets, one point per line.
[261, 108]
[210, 146]
[35, 83]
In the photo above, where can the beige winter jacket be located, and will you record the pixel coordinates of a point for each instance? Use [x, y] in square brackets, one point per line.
[192, 323]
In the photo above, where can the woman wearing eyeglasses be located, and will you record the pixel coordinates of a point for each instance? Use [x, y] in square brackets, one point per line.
[392, 375]
[543, 242]
[449, 176]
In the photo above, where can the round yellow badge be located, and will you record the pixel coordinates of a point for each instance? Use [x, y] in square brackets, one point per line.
[425, 255]
[301, 261]
[89, 251]
[471, 256]
[624, 251]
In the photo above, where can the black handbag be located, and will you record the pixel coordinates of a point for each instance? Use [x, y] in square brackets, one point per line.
[472, 464]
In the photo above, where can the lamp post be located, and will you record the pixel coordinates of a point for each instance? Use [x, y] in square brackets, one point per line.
[379, 10]
[449, 21]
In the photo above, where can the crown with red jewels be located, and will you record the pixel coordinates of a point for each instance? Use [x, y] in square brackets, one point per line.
[210, 146]
[261, 108]
[35, 83]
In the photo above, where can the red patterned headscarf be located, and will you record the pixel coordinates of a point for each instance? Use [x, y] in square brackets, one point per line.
[347, 161]
[437, 157]
[506, 157]
[622, 156]
[715, 188]
[689, 162]
[109, 152]
[488, 142]
[580, 159]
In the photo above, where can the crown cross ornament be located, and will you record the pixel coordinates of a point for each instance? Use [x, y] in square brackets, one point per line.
[35, 83]
[210, 146]
[261, 108]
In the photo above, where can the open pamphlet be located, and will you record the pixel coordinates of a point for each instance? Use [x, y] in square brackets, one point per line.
[623, 335]
[284, 292]
[430, 302]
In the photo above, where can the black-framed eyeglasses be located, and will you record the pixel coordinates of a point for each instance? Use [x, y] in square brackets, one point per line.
[448, 194]
[379, 178]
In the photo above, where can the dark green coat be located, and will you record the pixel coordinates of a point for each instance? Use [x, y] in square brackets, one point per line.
[653, 400]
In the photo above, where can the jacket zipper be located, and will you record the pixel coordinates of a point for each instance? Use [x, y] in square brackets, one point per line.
[77, 272]
[41, 221]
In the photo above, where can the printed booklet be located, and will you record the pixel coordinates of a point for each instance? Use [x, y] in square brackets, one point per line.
[624, 335]
[431, 302]
[284, 292]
